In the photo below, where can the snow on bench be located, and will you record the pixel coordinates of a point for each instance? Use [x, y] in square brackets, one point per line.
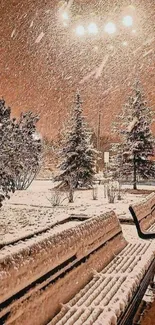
[143, 214]
[83, 272]
[61, 260]
[107, 296]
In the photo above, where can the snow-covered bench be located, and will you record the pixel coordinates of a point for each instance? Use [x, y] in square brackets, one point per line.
[143, 215]
[114, 294]
[46, 270]
[84, 273]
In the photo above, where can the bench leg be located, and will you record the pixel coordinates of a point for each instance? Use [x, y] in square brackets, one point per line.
[152, 284]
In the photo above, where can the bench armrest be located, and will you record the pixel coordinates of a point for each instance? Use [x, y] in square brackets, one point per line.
[142, 234]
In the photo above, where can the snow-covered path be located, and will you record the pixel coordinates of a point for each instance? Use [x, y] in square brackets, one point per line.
[30, 211]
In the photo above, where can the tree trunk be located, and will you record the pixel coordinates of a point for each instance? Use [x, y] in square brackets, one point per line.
[134, 174]
[70, 199]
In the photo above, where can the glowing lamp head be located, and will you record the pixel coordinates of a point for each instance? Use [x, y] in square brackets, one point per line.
[80, 30]
[92, 28]
[128, 21]
[110, 28]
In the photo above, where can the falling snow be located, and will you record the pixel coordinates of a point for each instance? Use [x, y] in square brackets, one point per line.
[39, 38]
[147, 53]
[31, 24]
[100, 68]
[13, 33]
[43, 62]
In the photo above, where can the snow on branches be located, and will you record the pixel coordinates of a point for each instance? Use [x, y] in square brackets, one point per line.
[133, 155]
[31, 150]
[18, 148]
[77, 153]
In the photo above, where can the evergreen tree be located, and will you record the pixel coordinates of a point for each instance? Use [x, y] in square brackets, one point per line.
[78, 154]
[30, 151]
[15, 144]
[133, 154]
[9, 163]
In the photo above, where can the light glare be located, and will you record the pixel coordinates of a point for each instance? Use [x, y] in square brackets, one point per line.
[128, 21]
[80, 30]
[110, 28]
[92, 28]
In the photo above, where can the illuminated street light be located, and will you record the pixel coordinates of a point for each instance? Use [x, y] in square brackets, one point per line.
[65, 15]
[110, 28]
[80, 30]
[128, 21]
[92, 28]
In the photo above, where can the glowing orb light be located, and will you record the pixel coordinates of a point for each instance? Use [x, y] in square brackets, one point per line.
[128, 21]
[80, 30]
[110, 28]
[134, 31]
[92, 28]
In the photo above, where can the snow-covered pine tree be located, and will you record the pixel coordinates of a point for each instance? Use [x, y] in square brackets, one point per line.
[133, 154]
[77, 154]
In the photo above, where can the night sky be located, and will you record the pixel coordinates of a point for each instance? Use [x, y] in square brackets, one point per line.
[43, 62]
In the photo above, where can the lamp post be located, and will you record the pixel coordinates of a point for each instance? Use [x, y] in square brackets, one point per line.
[99, 129]
[98, 138]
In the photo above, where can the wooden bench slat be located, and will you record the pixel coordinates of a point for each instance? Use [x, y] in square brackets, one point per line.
[109, 294]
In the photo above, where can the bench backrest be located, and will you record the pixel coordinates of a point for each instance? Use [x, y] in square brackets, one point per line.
[144, 211]
[71, 255]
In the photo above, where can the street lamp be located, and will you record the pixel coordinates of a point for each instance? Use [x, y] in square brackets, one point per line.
[80, 30]
[92, 28]
[110, 28]
[128, 21]
[65, 15]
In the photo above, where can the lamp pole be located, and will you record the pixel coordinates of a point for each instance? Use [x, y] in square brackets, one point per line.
[99, 129]
[98, 137]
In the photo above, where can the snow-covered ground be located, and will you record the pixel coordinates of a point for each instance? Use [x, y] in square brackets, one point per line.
[30, 211]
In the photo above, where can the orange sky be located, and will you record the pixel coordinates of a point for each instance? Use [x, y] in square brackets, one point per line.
[42, 63]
